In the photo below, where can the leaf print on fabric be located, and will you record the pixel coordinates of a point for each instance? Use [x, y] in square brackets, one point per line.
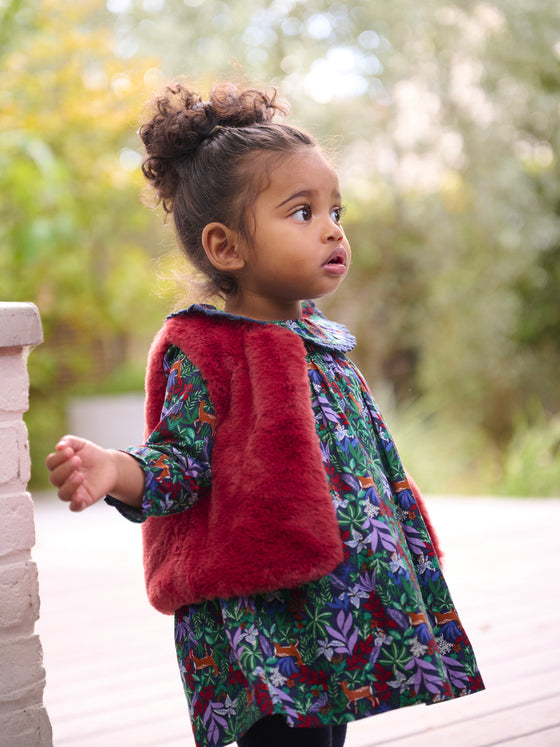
[414, 540]
[325, 452]
[351, 626]
[395, 656]
[319, 703]
[244, 647]
[459, 678]
[318, 619]
[425, 675]
[182, 629]
[355, 482]
[279, 696]
[344, 636]
[406, 500]
[381, 536]
[450, 631]
[287, 666]
[214, 719]
[424, 633]
[364, 653]
[328, 414]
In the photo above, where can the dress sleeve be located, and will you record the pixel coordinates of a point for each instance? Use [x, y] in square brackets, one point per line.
[176, 456]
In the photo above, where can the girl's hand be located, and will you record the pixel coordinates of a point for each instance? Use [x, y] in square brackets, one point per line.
[82, 471]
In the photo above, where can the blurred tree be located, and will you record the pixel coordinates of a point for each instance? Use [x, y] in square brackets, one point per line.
[11, 19]
[74, 237]
[445, 116]
[444, 119]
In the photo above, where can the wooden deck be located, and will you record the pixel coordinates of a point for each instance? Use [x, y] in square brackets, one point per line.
[112, 678]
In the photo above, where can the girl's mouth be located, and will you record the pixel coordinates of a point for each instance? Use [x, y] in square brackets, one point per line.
[336, 262]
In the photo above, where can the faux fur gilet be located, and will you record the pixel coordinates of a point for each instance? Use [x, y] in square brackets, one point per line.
[269, 521]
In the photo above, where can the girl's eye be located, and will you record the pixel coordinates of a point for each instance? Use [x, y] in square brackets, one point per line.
[303, 213]
[337, 214]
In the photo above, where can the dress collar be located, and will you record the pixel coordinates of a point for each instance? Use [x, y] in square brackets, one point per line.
[313, 327]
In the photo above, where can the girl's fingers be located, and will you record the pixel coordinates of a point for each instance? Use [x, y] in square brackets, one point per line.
[73, 442]
[61, 471]
[69, 487]
[64, 449]
[81, 499]
[59, 457]
[78, 500]
[66, 467]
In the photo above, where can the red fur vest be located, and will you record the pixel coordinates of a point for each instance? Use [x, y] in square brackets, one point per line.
[270, 522]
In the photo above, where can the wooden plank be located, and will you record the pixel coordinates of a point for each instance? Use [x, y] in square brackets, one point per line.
[538, 718]
[544, 737]
[112, 677]
[495, 704]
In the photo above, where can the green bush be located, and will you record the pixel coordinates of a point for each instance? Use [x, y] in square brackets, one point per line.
[531, 461]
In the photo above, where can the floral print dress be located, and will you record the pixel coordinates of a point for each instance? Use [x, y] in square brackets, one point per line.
[380, 632]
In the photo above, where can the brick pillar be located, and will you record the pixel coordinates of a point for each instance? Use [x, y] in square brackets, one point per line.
[23, 719]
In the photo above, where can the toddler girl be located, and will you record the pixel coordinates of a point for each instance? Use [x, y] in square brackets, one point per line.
[279, 525]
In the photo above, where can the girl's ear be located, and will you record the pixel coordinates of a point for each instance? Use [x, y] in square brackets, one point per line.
[222, 247]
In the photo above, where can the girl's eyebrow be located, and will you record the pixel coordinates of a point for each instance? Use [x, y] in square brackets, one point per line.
[306, 193]
[302, 193]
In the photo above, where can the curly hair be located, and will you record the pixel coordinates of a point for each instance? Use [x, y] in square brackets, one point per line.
[209, 160]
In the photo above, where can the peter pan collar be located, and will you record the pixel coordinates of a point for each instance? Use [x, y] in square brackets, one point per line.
[313, 326]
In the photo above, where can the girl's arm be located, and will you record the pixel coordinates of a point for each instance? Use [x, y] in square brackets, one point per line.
[84, 473]
[165, 475]
[175, 457]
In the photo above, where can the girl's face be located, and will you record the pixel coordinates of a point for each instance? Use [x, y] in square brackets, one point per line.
[299, 250]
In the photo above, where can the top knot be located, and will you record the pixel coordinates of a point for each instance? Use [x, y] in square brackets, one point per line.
[181, 121]
[236, 107]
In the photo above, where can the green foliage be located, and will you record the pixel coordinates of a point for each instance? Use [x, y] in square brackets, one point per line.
[75, 238]
[12, 17]
[443, 119]
[531, 463]
[441, 449]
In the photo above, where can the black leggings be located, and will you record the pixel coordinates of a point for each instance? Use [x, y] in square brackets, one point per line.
[273, 731]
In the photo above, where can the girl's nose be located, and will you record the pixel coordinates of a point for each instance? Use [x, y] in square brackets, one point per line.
[333, 230]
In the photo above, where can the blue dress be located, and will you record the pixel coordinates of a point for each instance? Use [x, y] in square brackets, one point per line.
[380, 632]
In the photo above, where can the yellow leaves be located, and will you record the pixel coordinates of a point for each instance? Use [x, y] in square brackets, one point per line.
[69, 111]
[70, 12]
[69, 75]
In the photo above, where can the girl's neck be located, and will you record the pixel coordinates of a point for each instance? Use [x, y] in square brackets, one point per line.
[262, 309]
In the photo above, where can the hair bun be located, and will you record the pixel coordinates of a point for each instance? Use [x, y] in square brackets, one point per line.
[236, 107]
[181, 121]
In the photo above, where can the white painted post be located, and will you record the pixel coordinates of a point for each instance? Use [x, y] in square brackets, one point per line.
[23, 718]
